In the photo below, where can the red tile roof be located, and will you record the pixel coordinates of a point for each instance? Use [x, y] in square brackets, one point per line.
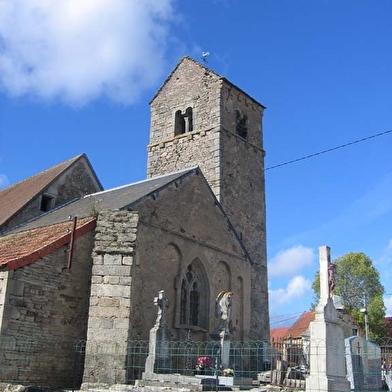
[301, 325]
[21, 249]
[16, 196]
[278, 334]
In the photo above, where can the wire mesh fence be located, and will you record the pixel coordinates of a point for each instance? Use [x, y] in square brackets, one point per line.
[62, 364]
[34, 361]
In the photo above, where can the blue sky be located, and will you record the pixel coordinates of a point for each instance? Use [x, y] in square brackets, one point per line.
[77, 77]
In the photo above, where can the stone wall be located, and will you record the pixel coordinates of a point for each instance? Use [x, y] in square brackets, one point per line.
[243, 199]
[45, 315]
[188, 228]
[348, 324]
[110, 302]
[190, 86]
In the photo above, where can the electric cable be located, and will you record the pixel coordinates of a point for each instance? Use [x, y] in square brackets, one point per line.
[329, 150]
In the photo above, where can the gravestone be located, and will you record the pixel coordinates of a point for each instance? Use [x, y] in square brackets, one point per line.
[363, 359]
[327, 354]
[158, 360]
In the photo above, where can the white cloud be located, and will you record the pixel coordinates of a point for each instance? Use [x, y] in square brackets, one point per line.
[80, 50]
[4, 181]
[388, 305]
[297, 288]
[290, 261]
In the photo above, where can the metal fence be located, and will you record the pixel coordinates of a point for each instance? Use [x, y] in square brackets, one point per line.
[32, 361]
[61, 364]
[189, 358]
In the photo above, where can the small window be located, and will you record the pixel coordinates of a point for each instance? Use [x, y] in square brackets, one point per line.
[188, 117]
[355, 332]
[179, 127]
[242, 124]
[47, 202]
[183, 122]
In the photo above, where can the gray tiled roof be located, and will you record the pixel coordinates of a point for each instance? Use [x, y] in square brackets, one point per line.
[112, 199]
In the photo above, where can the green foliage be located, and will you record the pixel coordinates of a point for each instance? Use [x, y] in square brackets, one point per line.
[357, 283]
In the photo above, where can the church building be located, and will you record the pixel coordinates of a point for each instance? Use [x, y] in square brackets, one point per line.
[90, 268]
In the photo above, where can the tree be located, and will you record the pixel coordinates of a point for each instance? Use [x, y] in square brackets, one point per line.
[358, 284]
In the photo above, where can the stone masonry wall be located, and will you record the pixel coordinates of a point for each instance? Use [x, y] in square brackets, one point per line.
[45, 315]
[190, 86]
[232, 165]
[243, 199]
[181, 225]
[110, 302]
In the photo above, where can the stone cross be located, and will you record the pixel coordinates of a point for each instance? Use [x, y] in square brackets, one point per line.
[158, 359]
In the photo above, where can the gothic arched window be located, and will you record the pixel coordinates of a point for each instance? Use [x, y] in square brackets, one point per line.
[193, 298]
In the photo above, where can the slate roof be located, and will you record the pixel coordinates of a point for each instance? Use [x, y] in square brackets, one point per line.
[48, 232]
[112, 199]
[21, 249]
[16, 196]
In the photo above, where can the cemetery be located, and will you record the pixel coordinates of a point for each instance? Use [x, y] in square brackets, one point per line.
[327, 362]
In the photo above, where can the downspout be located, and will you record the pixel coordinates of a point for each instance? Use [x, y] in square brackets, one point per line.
[71, 244]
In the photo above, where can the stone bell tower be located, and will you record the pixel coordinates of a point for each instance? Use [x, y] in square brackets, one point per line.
[198, 118]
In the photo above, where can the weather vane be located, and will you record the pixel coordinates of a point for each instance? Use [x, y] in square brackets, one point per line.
[204, 56]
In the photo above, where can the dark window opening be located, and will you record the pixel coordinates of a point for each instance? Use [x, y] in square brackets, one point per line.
[194, 306]
[179, 124]
[188, 117]
[242, 124]
[184, 295]
[183, 122]
[47, 203]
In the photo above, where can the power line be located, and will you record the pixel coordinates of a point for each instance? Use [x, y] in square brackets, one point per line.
[283, 320]
[329, 150]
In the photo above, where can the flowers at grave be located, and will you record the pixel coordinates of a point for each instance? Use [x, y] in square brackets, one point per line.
[203, 363]
[228, 372]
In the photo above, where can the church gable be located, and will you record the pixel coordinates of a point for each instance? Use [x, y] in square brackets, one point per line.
[188, 207]
[187, 247]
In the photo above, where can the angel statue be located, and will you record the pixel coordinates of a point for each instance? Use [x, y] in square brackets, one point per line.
[223, 310]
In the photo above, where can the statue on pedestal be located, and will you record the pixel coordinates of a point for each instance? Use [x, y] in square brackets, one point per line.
[223, 310]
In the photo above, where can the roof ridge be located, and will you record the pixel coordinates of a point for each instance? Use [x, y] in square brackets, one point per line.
[66, 163]
[189, 169]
